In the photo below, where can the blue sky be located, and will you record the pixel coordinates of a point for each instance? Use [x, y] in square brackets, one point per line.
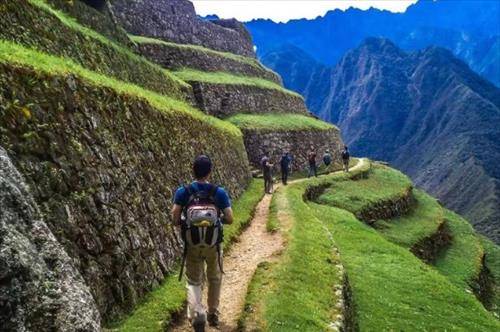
[284, 10]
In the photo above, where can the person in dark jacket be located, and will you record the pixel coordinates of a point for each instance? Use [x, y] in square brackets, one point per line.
[345, 158]
[327, 160]
[285, 167]
[311, 158]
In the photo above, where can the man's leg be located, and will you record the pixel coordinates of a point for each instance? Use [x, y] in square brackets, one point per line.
[315, 171]
[286, 177]
[214, 277]
[194, 275]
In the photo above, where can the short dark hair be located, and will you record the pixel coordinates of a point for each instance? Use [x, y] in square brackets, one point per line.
[202, 166]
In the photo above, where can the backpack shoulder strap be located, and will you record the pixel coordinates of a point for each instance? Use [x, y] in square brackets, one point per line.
[212, 192]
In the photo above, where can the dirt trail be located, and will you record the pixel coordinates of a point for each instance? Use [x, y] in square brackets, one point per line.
[255, 245]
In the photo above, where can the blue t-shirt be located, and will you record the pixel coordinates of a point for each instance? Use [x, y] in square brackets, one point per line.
[222, 200]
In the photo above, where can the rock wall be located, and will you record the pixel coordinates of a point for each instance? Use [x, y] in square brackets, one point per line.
[28, 25]
[388, 209]
[40, 288]
[297, 143]
[176, 21]
[181, 56]
[102, 167]
[223, 100]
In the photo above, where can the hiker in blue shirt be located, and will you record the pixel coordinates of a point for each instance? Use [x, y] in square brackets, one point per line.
[200, 209]
[285, 167]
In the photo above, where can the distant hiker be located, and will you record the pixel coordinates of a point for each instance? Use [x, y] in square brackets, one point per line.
[285, 167]
[200, 209]
[327, 159]
[311, 158]
[345, 158]
[267, 171]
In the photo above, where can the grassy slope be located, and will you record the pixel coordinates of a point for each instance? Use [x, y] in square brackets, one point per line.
[294, 298]
[158, 307]
[423, 221]
[393, 289]
[493, 264]
[383, 183]
[73, 24]
[276, 122]
[16, 54]
[462, 261]
[230, 79]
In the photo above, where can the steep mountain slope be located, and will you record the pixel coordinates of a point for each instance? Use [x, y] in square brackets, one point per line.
[428, 114]
[470, 29]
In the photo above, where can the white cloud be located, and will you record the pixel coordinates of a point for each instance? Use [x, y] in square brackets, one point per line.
[284, 10]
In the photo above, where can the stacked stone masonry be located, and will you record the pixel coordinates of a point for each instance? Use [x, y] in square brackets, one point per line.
[102, 168]
[297, 143]
[388, 209]
[180, 56]
[223, 100]
[176, 21]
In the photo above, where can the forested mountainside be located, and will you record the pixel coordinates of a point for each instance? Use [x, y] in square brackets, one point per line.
[470, 29]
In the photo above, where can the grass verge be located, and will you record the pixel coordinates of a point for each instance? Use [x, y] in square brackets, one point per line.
[277, 122]
[158, 307]
[188, 74]
[15, 54]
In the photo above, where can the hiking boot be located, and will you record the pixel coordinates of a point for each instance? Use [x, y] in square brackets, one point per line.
[213, 319]
[198, 322]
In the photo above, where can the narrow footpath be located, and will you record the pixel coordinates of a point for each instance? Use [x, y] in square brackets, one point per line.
[255, 245]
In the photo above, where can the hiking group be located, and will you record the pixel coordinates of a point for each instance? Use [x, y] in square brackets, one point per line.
[199, 211]
[286, 163]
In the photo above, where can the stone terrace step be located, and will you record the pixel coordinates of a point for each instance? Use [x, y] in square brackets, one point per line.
[177, 56]
[222, 94]
[423, 230]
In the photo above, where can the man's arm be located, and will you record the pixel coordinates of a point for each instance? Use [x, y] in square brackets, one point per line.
[228, 216]
[176, 214]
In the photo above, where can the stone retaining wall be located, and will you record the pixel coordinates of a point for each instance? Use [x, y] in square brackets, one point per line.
[180, 56]
[176, 21]
[224, 100]
[297, 143]
[429, 248]
[102, 168]
[388, 209]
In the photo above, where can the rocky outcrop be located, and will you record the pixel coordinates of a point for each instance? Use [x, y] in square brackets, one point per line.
[178, 56]
[176, 21]
[40, 289]
[297, 143]
[388, 208]
[102, 167]
[223, 100]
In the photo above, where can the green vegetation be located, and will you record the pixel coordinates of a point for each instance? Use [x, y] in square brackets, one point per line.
[383, 184]
[391, 288]
[53, 31]
[423, 221]
[492, 262]
[277, 122]
[156, 311]
[15, 54]
[272, 224]
[230, 79]
[461, 262]
[296, 293]
[232, 56]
